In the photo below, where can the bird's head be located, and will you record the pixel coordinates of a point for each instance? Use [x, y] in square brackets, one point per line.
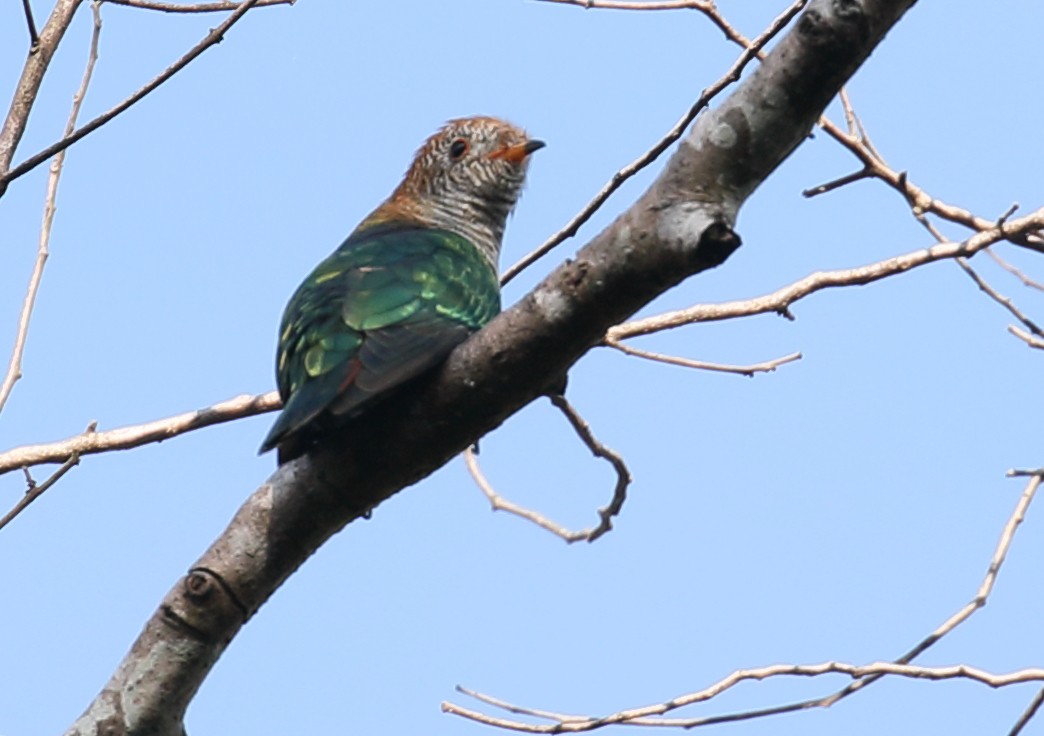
[466, 178]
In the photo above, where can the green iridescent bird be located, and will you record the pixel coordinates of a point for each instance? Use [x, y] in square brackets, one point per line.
[413, 280]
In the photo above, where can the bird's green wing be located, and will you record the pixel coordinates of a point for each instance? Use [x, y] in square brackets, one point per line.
[388, 304]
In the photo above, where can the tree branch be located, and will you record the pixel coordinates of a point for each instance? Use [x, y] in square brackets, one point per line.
[126, 438]
[215, 36]
[752, 50]
[34, 37]
[781, 299]
[14, 368]
[652, 715]
[679, 227]
[29, 84]
[649, 716]
[744, 370]
[209, 7]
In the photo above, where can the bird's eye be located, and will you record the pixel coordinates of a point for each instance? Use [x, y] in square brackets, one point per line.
[458, 148]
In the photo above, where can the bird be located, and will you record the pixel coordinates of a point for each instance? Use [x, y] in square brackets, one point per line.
[413, 280]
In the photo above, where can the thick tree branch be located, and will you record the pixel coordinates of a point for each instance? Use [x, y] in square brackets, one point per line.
[679, 227]
[752, 50]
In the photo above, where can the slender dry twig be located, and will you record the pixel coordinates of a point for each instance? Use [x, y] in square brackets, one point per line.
[919, 200]
[752, 50]
[125, 438]
[499, 503]
[704, 6]
[1025, 473]
[623, 475]
[215, 36]
[648, 716]
[14, 367]
[208, 7]
[1026, 280]
[841, 181]
[25, 92]
[34, 37]
[35, 491]
[651, 715]
[744, 370]
[780, 300]
[1027, 715]
[1033, 342]
[1004, 301]
[605, 514]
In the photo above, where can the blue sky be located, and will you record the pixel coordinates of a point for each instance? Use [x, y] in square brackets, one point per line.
[840, 508]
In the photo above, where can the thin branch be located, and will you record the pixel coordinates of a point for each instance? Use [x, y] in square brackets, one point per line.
[1026, 280]
[499, 503]
[208, 7]
[14, 367]
[918, 199]
[35, 491]
[34, 37]
[702, 5]
[752, 51]
[215, 36]
[648, 716]
[1004, 301]
[651, 715]
[1025, 473]
[780, 300]
[744, 370]
[605, 514]
[830, 186]
[1027, 715]
[1033, 342]
[623, 475]
[28, 86]
[126, 438]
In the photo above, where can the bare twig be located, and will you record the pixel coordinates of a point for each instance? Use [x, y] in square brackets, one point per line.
[499, 503]
[34, 37]
[652, 715]
[1027, 715]
[207, 7]
[752, 50]
[35, 491]
[125, 438]
[28, 86]
[781, 299]
[1004, 301]
[605, 514]
[702, 5]
[1033, 342]
[1026, 280]
[14, 367]
[623, 475]
[744, 370]
[1025, 473]
[919, 200]
[215, 36]
[838, 183]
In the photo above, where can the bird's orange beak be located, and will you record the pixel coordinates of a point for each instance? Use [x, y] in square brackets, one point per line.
[517, 153]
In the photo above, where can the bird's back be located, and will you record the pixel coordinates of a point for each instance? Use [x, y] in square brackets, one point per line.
[388, 304]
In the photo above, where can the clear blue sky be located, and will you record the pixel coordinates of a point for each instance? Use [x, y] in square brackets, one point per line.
[840, 508]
